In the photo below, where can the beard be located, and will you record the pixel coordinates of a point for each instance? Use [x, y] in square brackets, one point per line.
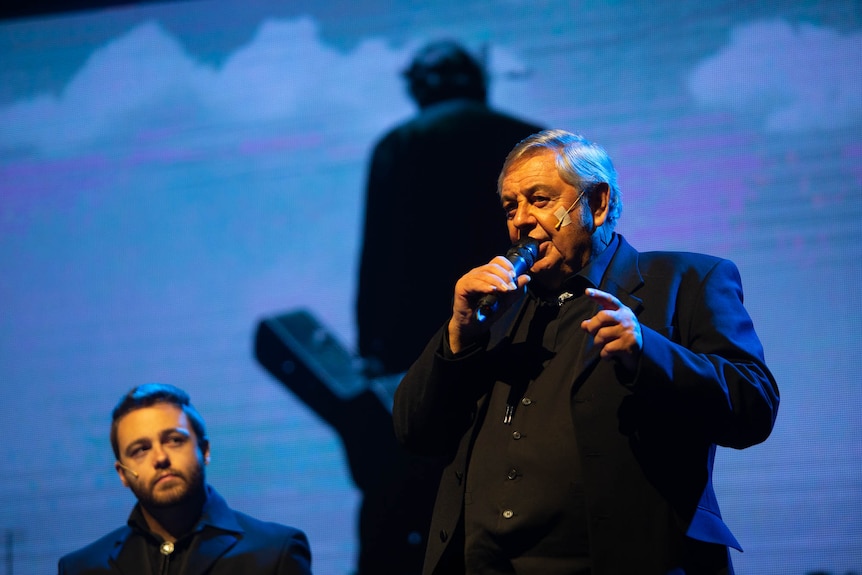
[185, 488]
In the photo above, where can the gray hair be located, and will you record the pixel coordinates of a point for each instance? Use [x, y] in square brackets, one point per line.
[580, 163]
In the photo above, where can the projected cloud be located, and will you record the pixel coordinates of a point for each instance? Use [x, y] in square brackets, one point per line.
[284, 74]
[788, 76]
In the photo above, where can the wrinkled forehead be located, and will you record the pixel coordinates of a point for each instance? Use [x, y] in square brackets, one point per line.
[547, 158]
[538, 170]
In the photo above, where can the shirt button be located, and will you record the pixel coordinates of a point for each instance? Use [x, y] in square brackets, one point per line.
[508, 514]
[167, 548]
[516, 435]
[513, 473]
[526, 401]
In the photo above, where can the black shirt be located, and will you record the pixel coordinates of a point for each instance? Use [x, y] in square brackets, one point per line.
[524, 504]
[159, 557]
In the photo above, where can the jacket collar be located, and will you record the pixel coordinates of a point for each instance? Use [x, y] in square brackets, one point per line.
[219, 532]
[214, 534]
[623, 276]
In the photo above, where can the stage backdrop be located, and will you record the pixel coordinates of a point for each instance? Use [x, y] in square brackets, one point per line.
[172, 173]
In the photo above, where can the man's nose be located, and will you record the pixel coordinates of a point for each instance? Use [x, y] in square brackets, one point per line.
[524, 218]
[161, 460]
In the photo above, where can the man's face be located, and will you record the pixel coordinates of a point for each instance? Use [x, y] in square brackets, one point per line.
[536, 201]
[159, 444]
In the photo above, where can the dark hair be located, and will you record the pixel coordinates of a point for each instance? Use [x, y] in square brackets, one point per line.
[150, 394]
[443, 70]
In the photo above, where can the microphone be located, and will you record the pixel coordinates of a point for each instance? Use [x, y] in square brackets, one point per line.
[127, 469]
[523, 254]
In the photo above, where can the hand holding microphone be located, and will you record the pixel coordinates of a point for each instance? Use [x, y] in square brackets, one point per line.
[523, 255]
[478, 293]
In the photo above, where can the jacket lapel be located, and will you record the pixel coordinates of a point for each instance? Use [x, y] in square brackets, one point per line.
[123, 562]
[623, 276]
[621, 279]
[221, 532]
[207, 549]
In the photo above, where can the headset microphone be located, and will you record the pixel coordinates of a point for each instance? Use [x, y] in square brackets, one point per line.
[128, 469]
[563, 218]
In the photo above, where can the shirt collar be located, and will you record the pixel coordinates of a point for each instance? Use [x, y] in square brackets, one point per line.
[589, 276]
[594, 271]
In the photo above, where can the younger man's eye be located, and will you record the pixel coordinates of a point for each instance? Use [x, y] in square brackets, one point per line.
[177, 439]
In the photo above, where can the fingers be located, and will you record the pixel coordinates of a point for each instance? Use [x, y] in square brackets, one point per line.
[496, 276]
[616, 339]
[499, 274]
[604, 299]
[615, 329]
[613, 312]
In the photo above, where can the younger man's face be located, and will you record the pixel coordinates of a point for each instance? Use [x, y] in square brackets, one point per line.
[159, 444]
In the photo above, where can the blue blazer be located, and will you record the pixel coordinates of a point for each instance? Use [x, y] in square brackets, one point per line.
[647, 442]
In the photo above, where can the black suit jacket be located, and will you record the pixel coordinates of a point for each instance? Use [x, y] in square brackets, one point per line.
[647, 443]
[236, 543]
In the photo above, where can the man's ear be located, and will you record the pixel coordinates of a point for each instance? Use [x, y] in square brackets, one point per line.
[205, 451]
[600, 203]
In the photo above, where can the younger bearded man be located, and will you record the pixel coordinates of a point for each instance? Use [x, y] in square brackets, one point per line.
[180, 524]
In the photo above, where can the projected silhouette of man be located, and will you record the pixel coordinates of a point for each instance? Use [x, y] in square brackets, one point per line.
[431, 192]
